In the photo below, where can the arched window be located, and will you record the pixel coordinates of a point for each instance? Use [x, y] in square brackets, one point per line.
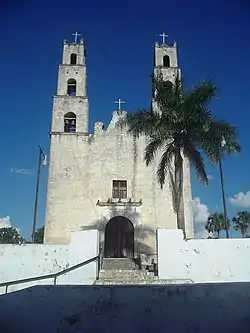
[70, 122]
[71, 87]
[166, 61]
[169, 84]
[73, 59]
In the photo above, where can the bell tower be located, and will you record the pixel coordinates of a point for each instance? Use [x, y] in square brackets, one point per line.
[166, 61]
[70, 104]
[68, 138]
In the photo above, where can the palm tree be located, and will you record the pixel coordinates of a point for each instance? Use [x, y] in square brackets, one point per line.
[181, 127]
[242, 222]
[216, 223]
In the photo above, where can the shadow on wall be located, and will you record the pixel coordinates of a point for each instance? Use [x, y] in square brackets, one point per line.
[202, 308]
[140, 232]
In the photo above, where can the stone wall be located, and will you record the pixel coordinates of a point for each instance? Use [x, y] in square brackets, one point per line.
[202, 260]
[32, 260]
[81, 172]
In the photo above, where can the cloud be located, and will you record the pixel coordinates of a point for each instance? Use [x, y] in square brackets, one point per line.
[5, 222]
[240, 200]
[201, 213]
[21, 171]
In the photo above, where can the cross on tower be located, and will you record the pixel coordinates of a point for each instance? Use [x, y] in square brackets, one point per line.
[76, 35]
[164, 36]
[119, 102]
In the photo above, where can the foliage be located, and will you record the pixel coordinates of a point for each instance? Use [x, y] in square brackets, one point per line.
[241, 222]
[10, 235]
[181, 126]
[216, 223]
[39, 234]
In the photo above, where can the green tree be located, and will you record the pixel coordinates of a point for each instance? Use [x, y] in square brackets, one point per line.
[241, 222]
[216, 223]
[182, 127]
[10, 235]
[39, 234]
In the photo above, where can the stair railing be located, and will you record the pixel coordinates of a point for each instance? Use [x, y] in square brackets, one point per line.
[50, 276]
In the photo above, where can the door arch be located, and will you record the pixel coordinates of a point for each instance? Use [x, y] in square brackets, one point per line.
[119, 238]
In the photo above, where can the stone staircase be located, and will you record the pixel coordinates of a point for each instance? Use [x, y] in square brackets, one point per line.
[125, 271]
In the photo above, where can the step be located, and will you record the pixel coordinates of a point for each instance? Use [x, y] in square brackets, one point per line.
[119, 264]
[129, 273]
[127, 278]
[141, 282]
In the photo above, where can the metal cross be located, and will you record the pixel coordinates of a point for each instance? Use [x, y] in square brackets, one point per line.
[76, 35]
[119, 102]
[164, 36]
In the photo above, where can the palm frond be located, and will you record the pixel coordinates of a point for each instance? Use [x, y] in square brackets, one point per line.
[241, 222]
[196, 160]
[216, 223]
[165, 162]
[178, 89]
[195, 106]
[202, 94]
[152, 148]
[165, 96]
[142, 122]
[210, 140]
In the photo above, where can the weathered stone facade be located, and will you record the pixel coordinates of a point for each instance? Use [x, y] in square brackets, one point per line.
[83, 166]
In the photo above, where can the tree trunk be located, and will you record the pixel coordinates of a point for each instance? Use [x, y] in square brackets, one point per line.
[218, 233]
[179, 202]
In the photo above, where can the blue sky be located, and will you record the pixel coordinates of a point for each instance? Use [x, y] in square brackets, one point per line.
[213, 39]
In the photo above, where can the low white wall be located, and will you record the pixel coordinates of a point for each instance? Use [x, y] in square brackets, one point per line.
[202, 260]
[32, 260]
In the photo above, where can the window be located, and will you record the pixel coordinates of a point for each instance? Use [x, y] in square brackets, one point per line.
[119, 189]
[70, 122]
[166, 61]
[73, 59]
[169, 84]
[71, 87]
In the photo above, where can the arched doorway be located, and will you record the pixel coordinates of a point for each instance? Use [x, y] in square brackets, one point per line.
[119, 238]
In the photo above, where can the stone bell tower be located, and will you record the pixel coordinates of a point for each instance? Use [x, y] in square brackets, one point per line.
[70, 105]
[165, 62]
[70, 125]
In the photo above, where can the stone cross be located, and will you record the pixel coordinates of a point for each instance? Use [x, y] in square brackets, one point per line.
[119, 102]
[76, 35]
[164, 36]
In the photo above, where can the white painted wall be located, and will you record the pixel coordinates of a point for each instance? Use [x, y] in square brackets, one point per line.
[202, 260]
[32, 260]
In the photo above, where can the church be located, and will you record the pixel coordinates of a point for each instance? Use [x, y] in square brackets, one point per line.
[99, 180]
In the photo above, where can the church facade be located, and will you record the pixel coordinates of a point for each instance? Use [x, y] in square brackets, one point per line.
[100, 180]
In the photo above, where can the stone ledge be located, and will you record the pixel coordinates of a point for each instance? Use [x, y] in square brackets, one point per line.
[72, 97]
[129, 202]
[69, 133]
